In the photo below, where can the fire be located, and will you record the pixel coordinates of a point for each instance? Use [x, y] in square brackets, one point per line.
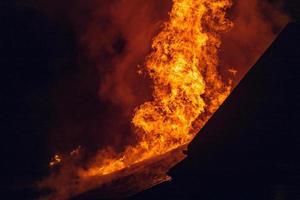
[187, 88]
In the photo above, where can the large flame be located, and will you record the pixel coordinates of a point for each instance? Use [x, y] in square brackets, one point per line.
[187, 88]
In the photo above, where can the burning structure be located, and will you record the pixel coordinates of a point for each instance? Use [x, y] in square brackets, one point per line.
[258, 159]
[187, 90]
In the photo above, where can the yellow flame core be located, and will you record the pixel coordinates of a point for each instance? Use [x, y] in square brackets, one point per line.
[187, 87]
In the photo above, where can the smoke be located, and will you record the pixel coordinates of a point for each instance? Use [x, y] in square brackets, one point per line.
[138, 21]
[256, 25]
[95, 103]
[113, 38]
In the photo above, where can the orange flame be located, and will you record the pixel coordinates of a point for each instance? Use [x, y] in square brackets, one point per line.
[187, 90]
[187, 87]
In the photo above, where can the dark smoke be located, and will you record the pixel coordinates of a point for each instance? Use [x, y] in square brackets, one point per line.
[256, 25]
[94, 104]
[95, 101]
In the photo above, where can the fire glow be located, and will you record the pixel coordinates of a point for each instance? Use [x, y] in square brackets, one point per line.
[187, 90]
[183, 66]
